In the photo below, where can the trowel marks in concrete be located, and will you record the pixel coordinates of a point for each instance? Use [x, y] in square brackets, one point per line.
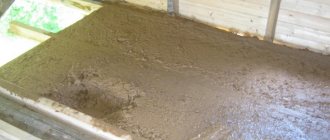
[162, 77]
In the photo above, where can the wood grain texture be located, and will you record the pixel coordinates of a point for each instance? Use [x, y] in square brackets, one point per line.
[238, 15]
[300, 23]
[306, 24]
[30, 32]
[272, 20]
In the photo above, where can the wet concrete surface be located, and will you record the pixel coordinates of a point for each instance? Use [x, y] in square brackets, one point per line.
[177, 79]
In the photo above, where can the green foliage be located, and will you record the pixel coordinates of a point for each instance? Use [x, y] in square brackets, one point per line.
[35, 14]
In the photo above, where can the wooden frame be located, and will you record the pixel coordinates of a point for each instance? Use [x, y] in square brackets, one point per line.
[272, 20]
[87, 6]
[173, 6]
[30, 32]
[51, 110]
[9, 132]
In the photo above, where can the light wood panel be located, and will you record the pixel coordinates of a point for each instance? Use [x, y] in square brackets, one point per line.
[305, 24]
[30, 32]
[318, 8]
[300, 24]
[155, 4]
[238, 15]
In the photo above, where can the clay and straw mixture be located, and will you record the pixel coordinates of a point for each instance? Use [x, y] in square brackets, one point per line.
[163, 77]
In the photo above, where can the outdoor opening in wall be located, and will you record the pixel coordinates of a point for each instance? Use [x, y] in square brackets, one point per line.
[27, 23]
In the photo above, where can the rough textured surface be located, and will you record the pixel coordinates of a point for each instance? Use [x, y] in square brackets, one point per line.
[4, 4]
[177, 79]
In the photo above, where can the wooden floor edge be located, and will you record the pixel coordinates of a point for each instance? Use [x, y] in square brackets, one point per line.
[9, 132]
[81, 124]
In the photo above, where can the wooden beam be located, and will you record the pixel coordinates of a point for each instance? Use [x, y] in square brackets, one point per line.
[81, 122]
[87, 6]
[272, 20]
[30, 32]
[37, 124]
[9, 132]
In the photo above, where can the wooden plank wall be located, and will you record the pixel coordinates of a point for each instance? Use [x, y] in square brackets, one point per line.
[238, 16]
[300, 23]
[155, 4]
[305, 24]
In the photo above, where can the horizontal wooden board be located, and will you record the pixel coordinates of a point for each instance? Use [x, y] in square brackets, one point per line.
[155, 4]
[9, 132]
[305, 23]
[241, 15]
[30, 32]
[318, 8]
[305, 20]
[303, 32]
[249, 7]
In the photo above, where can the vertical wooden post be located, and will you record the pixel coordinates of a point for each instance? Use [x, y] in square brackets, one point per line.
[272, 20]
[170, 6]
[173, 6]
